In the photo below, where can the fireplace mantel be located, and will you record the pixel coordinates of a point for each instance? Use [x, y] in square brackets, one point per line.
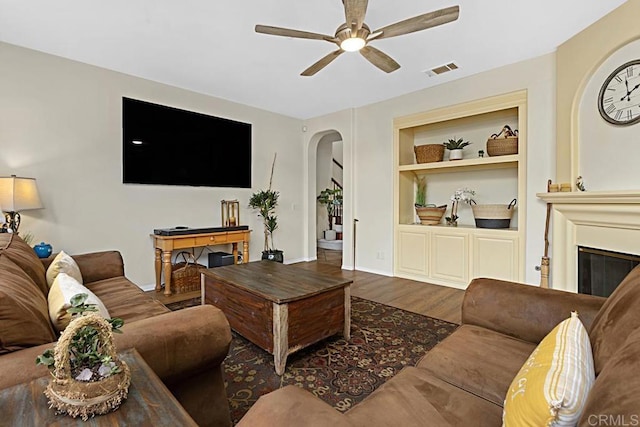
[600, 219]
[592, 197]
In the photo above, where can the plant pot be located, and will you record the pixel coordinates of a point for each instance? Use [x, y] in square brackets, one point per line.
[274, 255]
[431, 215]
[329, 234]
[455, 154]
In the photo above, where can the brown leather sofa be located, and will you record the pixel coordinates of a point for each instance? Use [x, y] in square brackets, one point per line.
[464, 379]
[184, 348]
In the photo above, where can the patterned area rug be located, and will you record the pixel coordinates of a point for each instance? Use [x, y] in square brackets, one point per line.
[384, 339]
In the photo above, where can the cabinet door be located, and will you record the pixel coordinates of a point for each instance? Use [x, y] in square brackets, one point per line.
[413, 252]
[496, 257]
[450, 258]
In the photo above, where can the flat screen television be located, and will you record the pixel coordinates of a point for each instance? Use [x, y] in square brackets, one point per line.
[165, 145]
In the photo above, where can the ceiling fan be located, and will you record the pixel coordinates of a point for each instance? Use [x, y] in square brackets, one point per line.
[354, 35]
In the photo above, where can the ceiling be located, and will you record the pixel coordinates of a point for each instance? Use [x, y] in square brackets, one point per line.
[210, 46]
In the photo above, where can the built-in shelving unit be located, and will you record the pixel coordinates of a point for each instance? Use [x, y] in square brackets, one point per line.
[452, 256]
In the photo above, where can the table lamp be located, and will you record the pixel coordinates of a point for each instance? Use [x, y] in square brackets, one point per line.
[16, 195]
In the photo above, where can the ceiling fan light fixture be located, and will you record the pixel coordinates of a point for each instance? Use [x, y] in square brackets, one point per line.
[352, 44]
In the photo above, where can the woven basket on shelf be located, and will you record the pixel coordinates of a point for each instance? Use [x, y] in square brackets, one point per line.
[504, 143]
[185, 275]
[81, 398]
[429, 153]
[493, 216]
[431, 215]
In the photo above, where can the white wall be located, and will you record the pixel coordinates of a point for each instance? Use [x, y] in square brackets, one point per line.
[60, 122]
[373, 154]
[608, 154]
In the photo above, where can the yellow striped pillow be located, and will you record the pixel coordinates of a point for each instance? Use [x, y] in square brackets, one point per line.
[552, 386]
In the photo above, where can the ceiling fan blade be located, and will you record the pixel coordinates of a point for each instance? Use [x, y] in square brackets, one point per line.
[379, 59]
[326, 60]
[354, 11]
[420, 22]
[286, 32]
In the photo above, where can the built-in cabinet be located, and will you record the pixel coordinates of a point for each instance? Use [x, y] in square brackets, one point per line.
[452, 256]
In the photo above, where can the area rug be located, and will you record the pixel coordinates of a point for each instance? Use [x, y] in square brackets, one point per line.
[384, 340]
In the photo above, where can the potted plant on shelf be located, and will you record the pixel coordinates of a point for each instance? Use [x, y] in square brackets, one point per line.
[265, 201]
[88, 378]
[429, 214]
[455, 147]
[331, 198]
[460, 195]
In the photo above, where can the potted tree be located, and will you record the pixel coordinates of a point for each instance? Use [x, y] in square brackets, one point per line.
[265, 202]
[330, 198]
[455, 147]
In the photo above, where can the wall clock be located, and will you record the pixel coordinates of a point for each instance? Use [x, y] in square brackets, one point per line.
[619, 97]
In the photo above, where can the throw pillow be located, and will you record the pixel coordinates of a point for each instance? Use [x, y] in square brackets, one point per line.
[12, 246]
[64, 287]
[552, 386]
[63, 263]
[24, 320]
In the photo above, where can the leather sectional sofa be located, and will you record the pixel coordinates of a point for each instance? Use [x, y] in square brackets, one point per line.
[464, 379]
[184, 348]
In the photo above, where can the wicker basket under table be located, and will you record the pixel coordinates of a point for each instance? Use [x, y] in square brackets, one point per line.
[185, 275]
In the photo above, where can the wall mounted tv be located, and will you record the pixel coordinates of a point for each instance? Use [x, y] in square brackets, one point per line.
[165, 145]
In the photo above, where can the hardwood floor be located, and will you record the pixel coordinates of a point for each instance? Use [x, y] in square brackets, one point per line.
[424, 298]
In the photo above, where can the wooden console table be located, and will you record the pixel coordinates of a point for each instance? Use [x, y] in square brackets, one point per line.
[164, 245]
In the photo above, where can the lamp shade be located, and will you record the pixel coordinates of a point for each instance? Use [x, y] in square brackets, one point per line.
[19, 194]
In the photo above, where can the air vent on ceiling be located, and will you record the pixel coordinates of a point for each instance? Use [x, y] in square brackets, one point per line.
[436, 71]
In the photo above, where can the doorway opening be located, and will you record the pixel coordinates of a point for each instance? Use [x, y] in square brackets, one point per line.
[329, 208]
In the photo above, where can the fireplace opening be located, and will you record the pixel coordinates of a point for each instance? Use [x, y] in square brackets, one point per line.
[600, 271]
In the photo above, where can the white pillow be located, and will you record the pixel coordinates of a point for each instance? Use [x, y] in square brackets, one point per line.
[63, 263]
[63, 289]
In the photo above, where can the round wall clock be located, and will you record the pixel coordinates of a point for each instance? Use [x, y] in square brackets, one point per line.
[619, 98]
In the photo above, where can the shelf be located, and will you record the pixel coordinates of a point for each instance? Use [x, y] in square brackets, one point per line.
[465, 164]
[448, 255]
[460, 227]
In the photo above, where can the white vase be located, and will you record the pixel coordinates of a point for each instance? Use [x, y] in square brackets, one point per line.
[338, 228]
[329, 234]
[455, 154]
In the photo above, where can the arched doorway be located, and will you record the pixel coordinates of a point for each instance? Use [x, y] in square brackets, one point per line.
[329, 183]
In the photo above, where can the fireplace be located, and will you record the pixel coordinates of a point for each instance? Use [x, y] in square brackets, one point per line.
[600, 271]
[607, 220]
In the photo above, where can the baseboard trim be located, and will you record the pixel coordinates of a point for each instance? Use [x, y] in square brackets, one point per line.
[293, 261]
[371, 270]
[147, 288]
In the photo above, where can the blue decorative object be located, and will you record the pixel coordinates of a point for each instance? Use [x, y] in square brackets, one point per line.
[43, 250]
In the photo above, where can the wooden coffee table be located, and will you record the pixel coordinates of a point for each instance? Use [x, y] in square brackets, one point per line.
[280, 308]
[149, 402]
